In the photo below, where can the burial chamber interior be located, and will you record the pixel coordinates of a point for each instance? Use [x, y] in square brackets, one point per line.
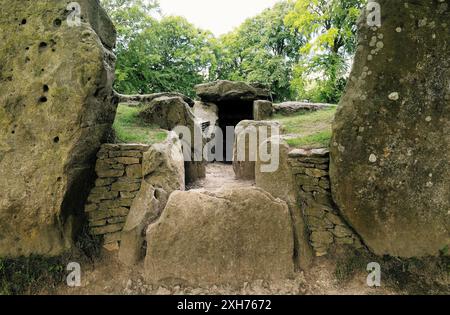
[231, 113]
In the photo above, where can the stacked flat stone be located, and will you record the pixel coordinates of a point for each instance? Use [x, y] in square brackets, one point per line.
[326, 228]
[119, 171]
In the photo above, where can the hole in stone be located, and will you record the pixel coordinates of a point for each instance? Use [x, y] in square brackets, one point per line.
[13, 132]
[56, 139]
[42, 46]
[59, 179]
[45, 88]
[97, 92]
[57, 23]
[42, 99]
[24, 21]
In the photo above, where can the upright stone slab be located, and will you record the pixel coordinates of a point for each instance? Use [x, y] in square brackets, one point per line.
[390, 157]
[163, 173]
[227, 237]
[280, 183]
[56, 108]
[249, 135]
[262, 110]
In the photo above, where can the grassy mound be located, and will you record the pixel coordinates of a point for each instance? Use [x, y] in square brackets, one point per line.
[129, 127]
[311, 130]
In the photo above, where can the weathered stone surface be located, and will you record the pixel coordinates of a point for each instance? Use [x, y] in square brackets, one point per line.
[219, 91]
[141, 99]
[56, 107]
[231, 236]
[163, 167]
[248, 138]
[109, 172]
[262, 110]
[206, 112]
[171, 112]
[322, 237]
[390, 169]
[167, 112]
[290, 108]
[280, 183]
[109, 212]
[112, 228]
[134, 171]
[125, 186]
[146, 208]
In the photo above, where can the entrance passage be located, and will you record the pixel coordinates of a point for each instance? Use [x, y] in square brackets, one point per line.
[218, 175]
[232, 113]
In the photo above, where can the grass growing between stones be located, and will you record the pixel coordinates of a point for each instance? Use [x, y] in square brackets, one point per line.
[311, 130]
[129, 127]
[26, 275]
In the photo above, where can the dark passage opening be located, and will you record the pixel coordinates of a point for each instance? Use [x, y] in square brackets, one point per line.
[230, 114]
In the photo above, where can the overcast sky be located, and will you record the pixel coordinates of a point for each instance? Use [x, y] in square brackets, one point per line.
[218, 16]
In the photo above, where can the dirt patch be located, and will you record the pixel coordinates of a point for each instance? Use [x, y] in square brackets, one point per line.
[319, 280]
[218, 175]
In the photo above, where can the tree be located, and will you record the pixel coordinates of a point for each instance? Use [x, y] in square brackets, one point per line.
[262, 50]
[158, 55]
[330, 29]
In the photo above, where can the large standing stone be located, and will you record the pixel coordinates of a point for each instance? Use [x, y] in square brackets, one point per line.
[262, 110]
[390, 166]
[170, 113]
[163, 171]
[281, 183]
[249, 135]
[167, 112]
[230, 236]
[223, 90]
[56, 108]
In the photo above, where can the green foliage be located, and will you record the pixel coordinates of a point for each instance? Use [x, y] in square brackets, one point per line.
[129, 127]
[26, 275]
[154, 55]
[298, 49]
[310, 130]
[330, 29]
[262, 50]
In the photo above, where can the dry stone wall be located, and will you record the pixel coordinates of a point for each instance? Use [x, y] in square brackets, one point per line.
[323, 221]
[119, 171]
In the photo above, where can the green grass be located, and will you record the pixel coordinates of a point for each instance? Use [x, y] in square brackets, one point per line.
[129, 127]
[311, 130]
[27, 275]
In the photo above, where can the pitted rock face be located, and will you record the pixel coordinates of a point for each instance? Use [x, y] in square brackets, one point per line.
[56, 107]
[390, 166]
